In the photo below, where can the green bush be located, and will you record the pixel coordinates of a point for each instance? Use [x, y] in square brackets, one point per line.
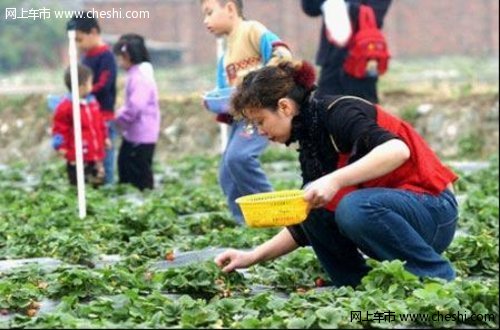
[27, 43]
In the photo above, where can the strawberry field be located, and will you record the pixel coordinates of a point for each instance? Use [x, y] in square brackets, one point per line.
[146, 260]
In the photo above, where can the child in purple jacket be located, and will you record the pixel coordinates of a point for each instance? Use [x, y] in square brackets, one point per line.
[139, 118]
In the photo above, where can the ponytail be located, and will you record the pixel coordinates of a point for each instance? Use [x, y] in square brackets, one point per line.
[305, 75]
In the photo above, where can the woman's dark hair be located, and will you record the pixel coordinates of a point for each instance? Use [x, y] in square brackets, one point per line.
[263, 88]
[134, 46]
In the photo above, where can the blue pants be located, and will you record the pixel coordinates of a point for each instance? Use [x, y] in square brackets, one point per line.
[109, 159]
[240, 173]
[385, 224]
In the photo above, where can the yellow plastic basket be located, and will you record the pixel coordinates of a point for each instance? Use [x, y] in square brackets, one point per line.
[274, 209]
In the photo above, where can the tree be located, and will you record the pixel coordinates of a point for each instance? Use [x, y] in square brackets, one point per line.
[29, 42]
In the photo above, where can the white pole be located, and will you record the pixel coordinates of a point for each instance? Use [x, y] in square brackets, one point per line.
[223, 128]
[80, 180]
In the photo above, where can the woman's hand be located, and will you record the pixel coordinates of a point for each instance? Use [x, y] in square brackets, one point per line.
[231, 259]
[318, 193]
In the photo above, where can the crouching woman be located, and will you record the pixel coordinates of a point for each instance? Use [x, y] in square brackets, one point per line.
[372, 182]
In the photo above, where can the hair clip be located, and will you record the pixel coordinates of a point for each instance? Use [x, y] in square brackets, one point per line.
[124, 48]
[305, 75]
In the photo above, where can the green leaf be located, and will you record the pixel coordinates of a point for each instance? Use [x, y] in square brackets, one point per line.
[296, 323]
[329, 317]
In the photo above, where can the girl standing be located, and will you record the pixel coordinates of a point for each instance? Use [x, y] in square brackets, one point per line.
[139, 117]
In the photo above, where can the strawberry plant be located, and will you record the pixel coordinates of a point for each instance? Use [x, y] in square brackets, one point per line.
[390, 276]
[76, 281]
[300, 269]
[205, 278]
[197, 200]
[201, 225]
[72, 248]
[150, 244]
[475, 255]
[188, 212]
[480, 210]
[239, 237]
[119, 279]
[15, 297]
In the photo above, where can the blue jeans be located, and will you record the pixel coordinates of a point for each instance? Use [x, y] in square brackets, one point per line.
[384, 224]
[109, 159]
[240, 173]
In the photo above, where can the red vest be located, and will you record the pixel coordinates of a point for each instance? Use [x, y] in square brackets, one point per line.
[423, 172]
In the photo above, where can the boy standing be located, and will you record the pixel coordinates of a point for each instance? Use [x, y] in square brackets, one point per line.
[249, 46]
[93, 130]
[100, 59]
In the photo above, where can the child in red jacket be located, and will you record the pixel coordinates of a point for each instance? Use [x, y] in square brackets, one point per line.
[94, 136]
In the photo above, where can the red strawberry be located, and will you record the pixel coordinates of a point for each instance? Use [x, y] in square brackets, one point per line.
[31, 312]
[169, 256]
[319, 282]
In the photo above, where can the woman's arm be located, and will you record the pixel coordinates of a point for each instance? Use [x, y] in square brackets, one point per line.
[380, 161]
[277, 246]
